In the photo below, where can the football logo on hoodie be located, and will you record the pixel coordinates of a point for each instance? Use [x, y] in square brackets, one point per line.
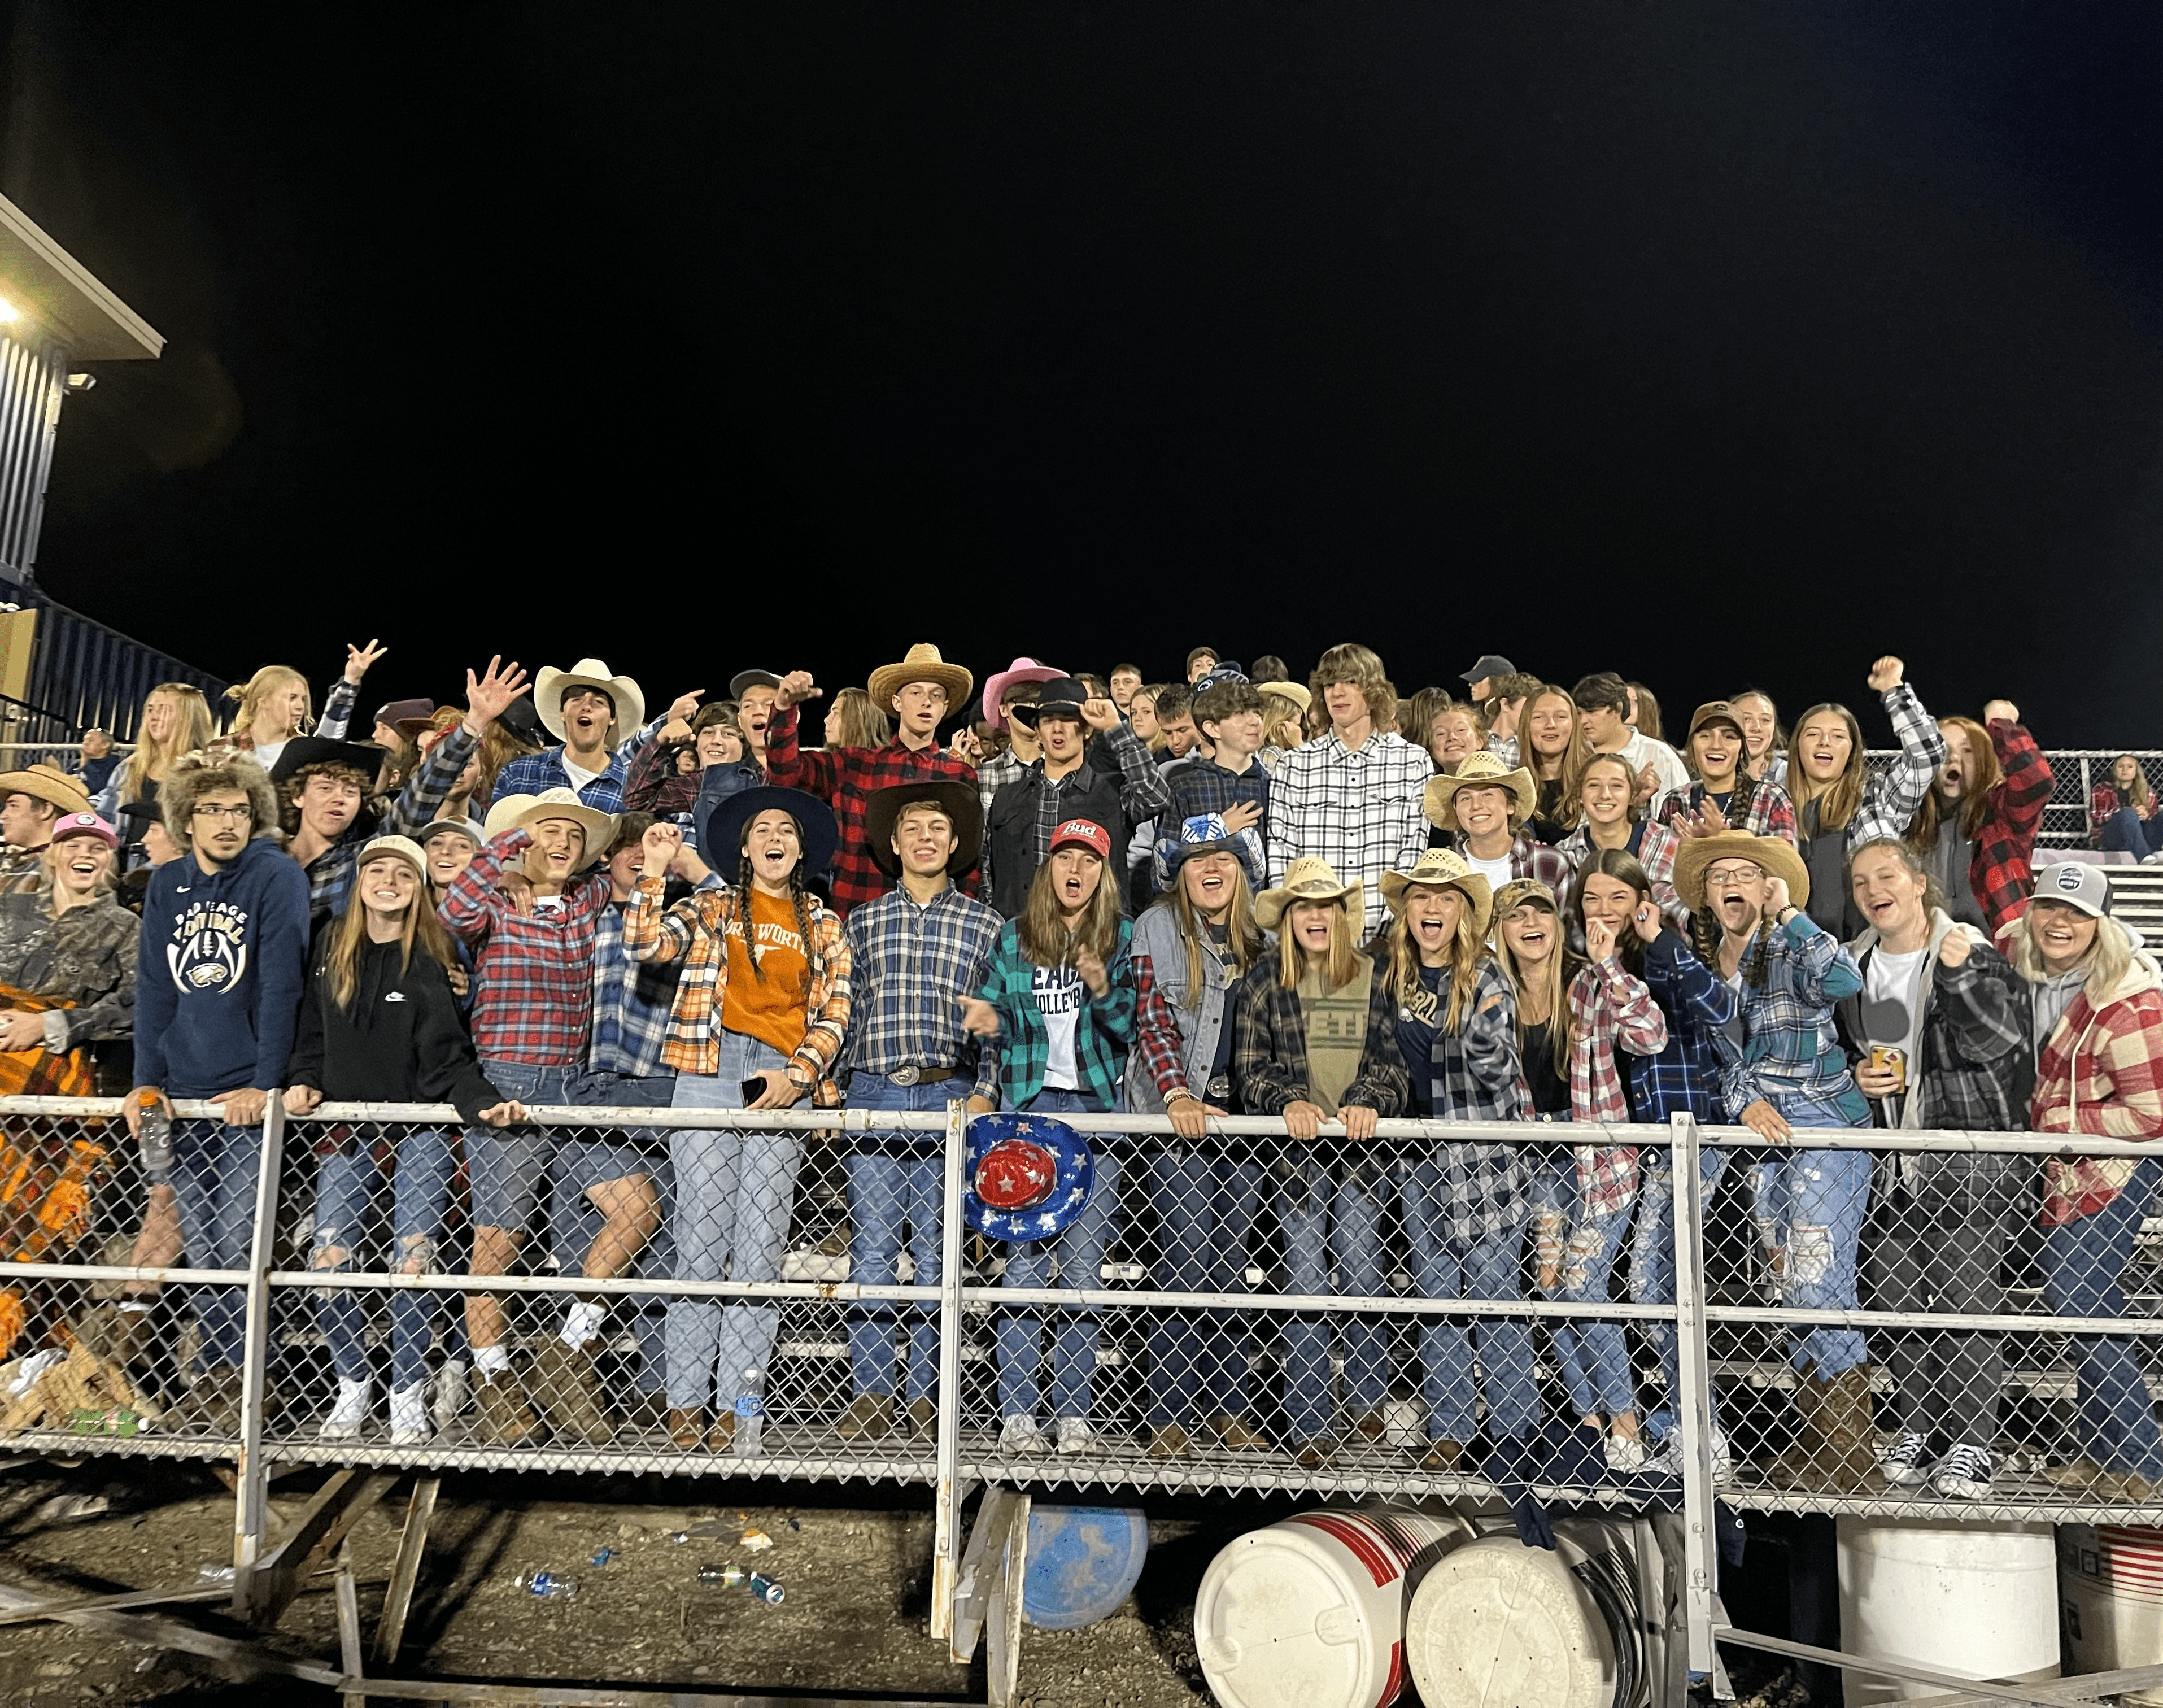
[209, 949]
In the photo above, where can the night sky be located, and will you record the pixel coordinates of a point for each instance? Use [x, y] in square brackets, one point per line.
[1717, 344]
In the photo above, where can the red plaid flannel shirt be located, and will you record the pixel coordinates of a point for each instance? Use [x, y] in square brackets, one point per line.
[1156, 1031]
[846, 777]
[2002, 873]
[533, 975]
[1608, 1007]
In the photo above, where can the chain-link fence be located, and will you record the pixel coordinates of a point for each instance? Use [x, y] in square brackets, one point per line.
[1957, 1324]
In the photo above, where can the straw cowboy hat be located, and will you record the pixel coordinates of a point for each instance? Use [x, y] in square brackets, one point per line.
[1000, 681]
[549, 689]
[1309, 878]
[923, 664]
[524, 811]
[1479, 771]
[46, 782]
[1297, 693]
[1443, 868]
[1775, 855]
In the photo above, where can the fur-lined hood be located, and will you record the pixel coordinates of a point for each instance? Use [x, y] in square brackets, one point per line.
[194, 775]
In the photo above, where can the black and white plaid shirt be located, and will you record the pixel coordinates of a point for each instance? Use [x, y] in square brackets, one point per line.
[1360, 811]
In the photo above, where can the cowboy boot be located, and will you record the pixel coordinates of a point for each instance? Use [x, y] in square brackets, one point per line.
[1850, 1432]
[1796, 1466]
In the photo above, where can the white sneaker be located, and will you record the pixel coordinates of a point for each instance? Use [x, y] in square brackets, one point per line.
[1624, 1453]
[1075, 1435]
[409, 1417]
[350, 1413]
[452, 1393]
[1668, 1462]
[1908, 1462]
[1021, 1435]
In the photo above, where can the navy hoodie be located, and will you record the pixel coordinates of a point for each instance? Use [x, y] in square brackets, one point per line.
[223, 967]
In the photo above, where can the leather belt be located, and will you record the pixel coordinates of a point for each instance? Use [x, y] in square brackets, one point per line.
[921, 1076]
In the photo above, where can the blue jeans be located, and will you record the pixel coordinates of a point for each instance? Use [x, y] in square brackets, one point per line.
[735, 1193]
[1592, 1357]
[899, 1181]
[1206, 1206]
[2083, 1262]
[215, 1168]
[1486, 1268]
[505, 1166]
[420, 1187]
[1322, 1217]
[1652, 1251]
[2126, 832]
[1078, 1254]
[1811, 1204]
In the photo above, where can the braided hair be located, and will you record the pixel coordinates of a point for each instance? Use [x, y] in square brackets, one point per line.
[1755, 966]
[799, 897]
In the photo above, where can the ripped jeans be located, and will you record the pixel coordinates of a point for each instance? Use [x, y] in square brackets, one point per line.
[1592, 1356]
[1809, 1206]
[421, 1188]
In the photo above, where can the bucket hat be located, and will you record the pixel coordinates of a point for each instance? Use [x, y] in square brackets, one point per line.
[548, 688]
[922, 664]
[722, 834]
[1309, 878]
[997, 684]
[1775, 854]
[964, 809]
[1029, 1175]
[1443, 868]
[1480, 770]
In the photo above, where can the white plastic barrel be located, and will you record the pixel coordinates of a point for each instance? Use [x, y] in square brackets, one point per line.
[2110, 1600]
[1495, 1624]
[1975, 1600]
[1310, 1613]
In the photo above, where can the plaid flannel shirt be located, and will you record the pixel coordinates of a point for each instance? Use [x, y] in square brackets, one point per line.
[1143, 792]
[536, 773]
[995, 774]
[1480, 1188]
[632, 1002]
[1156, 1032]
[1528, 859]
[1791, 1055]
[1686, 1076]
[1609, 1008]
[2001, 872]
[1891, 796]
[910, 964]
[846, 777]
[338, 711]
[1103, 1029]
[1206, 787]
[2101, 1071]
[654, 785]
[692, 931]
[533, 987]
[1655, 852]
[331, 873]
[1269, 1047]
[1769, 812]
[1360, 811]
[2103, 805]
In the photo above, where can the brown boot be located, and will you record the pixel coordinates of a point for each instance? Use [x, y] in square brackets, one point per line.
[1170, 1441]
[1239, 1434]
[506, 1418]
[923, 1417]
[1443, 1456]
[687, 1427]
[723, 1437]
[566, 1383]
[1850, 1429]
[1796, 1465]
[870, 1418]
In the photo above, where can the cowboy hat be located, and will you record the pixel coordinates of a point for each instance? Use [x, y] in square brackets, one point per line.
[1063, 694]
[721, 837]
[1443, 868]
[550, 685]
[363, 757]
[47, 782]
[1029, 1176]
[1309, 878]
[522, 812]
[1204, 834]
[1297, 693]
[963, 807]
[923, 664]
[1775, 855]
[996, 685]
[1478, 771]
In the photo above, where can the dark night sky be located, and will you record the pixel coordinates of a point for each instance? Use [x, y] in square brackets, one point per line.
[1715, 343]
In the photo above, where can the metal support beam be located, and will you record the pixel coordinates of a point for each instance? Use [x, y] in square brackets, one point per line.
[406, 1569]
[349, 1623]
[949, 1494]
[254, 1485]
[1700, 1562]
[2043, 1692]
[1003, 1615]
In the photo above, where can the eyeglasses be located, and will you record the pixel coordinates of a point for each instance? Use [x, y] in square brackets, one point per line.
[240, 814]
[1730, 876]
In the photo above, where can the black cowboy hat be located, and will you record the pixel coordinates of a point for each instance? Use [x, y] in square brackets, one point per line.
[964, 807]
[364, 756]
[721, 837]
[1062, 693]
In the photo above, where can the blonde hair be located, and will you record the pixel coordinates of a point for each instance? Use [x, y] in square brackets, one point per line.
[1361, 667]
[1344, 956]
[1562, 965]
[249, 695]
[192, 728]
[2109, 957]
[48, 861]
[1466, 951]
[1242, 936]
[1576, 754]
[1279, 710]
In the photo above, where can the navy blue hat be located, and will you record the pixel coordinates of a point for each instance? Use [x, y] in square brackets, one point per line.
[1226, 670]
[1040, 1167]
[721, 837]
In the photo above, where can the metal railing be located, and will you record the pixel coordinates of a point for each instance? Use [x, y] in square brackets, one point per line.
[1322, 1291]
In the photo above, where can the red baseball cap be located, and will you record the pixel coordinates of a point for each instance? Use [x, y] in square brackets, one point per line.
[1084, 833]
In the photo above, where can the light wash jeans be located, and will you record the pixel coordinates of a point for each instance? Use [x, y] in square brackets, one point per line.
[1812, 1205]
[421, 1188]
[1078, 1257]
[1652, 1251]
[1206, 1204]
[2082, 1263]
[1592, 1357]
[1323, 1217]
[215, 1168]
[735, 1192]
[897, 1181]
[1486, 1268]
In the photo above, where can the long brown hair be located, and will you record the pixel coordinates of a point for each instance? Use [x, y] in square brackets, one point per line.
[1466, 951]
[1344, 956]
[1243, 940]
[1562, 967]
[1976, 788]
[349, 936]
[1837, 801]
[739, 905]
[1621, 865]
[192, 728]
[1045, 941]
[864, 724]
[1576, 754]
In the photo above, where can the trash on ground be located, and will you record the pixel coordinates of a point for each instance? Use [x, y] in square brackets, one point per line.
[548, 1583]
[213, 1573]
[72, 1509]
[755, 1542]
[602, 1556]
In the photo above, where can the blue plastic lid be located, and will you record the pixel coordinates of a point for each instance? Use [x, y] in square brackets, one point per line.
[1083, 1563]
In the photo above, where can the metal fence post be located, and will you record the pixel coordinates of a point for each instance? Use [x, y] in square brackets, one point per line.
[1693, 1403]
[252, 1475]
[946, 1532]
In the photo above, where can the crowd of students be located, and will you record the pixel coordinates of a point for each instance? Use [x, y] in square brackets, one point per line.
[1237, 894]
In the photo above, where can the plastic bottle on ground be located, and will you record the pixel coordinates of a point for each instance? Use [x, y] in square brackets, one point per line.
[751, 1417]
[548, 1583]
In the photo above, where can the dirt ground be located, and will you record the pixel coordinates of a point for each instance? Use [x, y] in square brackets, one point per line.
[855, 1562]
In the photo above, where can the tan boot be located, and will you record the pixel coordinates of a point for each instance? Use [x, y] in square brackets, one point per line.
[1170, 1441]
[1371, 1424]
[687, 1427]
[1849, 1429]
[1239, 1434]
[870, 1418]
[723, 1439]
[1796, 1465]
[1443, 1456]
[507, 1418]
[566, 1385]
[923, 1418]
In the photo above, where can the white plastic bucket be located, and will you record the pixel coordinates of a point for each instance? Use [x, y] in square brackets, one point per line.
[1975, 1600]
[1310, 1613]
[1495, 1624]
[2110, 1600]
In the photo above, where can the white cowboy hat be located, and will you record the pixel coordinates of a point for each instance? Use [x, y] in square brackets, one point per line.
[524, 811]
[1309, 878]
[548, 688]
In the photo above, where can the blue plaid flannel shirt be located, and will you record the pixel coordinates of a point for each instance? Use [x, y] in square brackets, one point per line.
[632, 1001]
[1791, 1055]
[1687, 1075]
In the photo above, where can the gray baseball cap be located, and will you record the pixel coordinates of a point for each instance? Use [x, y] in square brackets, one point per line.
[1490, 664]
[2077, 885]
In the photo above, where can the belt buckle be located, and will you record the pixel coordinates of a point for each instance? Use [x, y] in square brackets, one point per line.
[906, 1075]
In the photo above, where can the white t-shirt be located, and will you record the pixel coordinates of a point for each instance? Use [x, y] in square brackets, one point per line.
[1893, 1011]
[1497, 872]
[579, 776]
[1641, 750]
[1058, 994]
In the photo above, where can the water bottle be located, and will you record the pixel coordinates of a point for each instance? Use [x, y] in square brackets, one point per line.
[751, 1417]
[156, 1140]
[548, 1583]
[727, 1577]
